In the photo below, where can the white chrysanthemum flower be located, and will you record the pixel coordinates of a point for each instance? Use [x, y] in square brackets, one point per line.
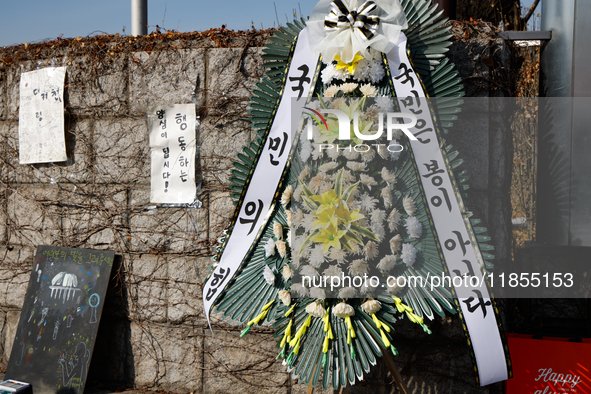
[383, 151]
[387, 197]
[356, 166]
[367, 181]
[385, 103]
[343, 310]
[358, 267]
[367, 202]
[286, 273]
[317, 153]
[328, 74]
[394, 151]
[413, 227]
[368, 90]
[316, 181]
[331, 91]
[376, 72]
[324, 187]
[309, 272]
[366, 289]
[297, 218]
[317, 256]
[297, 193]
[394, 219]
[333, 270]
[388, 176]
[338, 255]
[299, 289]
[281, 248]
[337, 102]
[362, 70]
[269, 275]
[316, 310]
[408, 255]
[286, 196]
[378, 230]
[347, 292]
[308, 221]
[368, 155]
[304, 174]
[349, 87]
[326, 167]
[370, 250]
[285, 297]
[289, 217]
[378, 215]
[409, 205]
[393, 287]
[333, 154]
[387, 263]
[277, 230]
[396, 244]
[350, 154]
[317, 292]
[306, 150]
[269, 248]
[371, 306]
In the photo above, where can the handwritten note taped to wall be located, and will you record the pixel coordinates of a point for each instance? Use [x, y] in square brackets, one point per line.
[172, 143]
[41, 116]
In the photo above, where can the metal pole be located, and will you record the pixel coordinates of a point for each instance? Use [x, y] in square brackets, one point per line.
[139, 17]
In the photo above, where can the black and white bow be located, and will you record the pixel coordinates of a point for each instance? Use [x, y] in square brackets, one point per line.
[340, 17]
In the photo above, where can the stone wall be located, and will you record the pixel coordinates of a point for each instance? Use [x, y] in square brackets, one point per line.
[153, 333]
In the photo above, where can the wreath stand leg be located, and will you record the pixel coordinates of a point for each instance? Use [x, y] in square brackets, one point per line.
[389, 361]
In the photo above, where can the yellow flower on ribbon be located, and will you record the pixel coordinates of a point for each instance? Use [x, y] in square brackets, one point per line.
[349, 66]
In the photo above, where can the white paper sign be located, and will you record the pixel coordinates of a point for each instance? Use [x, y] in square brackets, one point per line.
[41, 116]
[172, 143]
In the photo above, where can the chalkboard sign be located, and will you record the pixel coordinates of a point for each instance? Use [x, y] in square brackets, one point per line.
[60, 318]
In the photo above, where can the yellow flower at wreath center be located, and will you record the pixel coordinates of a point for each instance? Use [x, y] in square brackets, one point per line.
[349, 66]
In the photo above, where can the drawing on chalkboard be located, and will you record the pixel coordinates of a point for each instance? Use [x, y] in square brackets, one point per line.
[56, 328]
[55, 337]
[43, 316]
[93, 301]
[39, 336]
[20, 360]
[69, 318]
[63, 285]
[76, 363]
[29, 354]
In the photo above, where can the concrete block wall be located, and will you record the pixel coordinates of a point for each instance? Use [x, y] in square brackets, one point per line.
[153, 333]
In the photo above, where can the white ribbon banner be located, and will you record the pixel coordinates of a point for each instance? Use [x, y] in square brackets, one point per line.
[258, 199]
[460, 252]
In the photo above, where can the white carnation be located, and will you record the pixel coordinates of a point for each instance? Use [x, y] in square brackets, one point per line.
[371, 306]
[285, 297]
[343, 310]
[286, 196]
[277, 230]
[387, 263]
[396, 244]
[408, 255]
[269, 248]
[317, 292]
[409, 205]
[347, 292]
[315, 309]
[413, 227]
[269, 275]
[388, 176]
[281, 248]
[286, 272]
[394, 219]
